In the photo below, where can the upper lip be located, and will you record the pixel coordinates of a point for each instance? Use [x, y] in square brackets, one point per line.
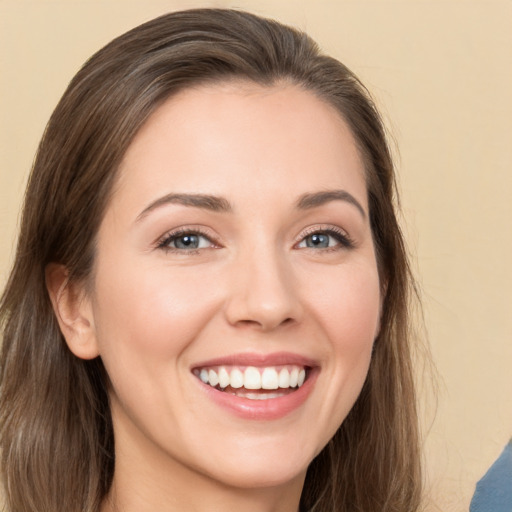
[258, 360]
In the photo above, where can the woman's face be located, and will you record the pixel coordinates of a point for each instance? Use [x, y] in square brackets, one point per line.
[235, 253]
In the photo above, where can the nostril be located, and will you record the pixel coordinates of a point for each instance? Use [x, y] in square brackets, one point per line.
[264, 325]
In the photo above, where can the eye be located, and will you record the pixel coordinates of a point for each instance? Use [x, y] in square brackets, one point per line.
[185, 241]
[325, 239]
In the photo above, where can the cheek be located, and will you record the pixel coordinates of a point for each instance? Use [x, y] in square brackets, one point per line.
[150, 313]
[349, 308]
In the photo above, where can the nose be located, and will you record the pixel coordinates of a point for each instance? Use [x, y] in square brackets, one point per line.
[263, 292]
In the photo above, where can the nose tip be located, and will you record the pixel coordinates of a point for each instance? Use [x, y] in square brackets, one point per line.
[263, 296]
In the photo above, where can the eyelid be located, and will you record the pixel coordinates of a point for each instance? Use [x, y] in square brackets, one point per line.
[344, 239]
[162, 241]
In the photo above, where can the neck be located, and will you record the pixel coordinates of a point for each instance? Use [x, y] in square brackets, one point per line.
[137, 491]
[202, 500]
[146, 479]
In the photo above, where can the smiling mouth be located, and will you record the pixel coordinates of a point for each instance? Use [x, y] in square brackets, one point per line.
[254, 383]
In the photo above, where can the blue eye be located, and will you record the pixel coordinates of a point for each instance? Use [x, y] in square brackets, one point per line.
[185, 241]
[318, 240]
[327, 239]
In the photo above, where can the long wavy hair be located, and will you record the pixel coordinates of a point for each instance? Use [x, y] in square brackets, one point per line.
[56, 434]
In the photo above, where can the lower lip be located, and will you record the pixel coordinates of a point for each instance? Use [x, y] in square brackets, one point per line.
[269, 409]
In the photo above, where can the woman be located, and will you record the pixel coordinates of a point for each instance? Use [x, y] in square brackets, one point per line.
[208, 306]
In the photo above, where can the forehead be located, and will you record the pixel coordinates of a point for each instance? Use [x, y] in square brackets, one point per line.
[244, 135]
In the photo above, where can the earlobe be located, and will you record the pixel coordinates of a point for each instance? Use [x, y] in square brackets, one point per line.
[73, 311]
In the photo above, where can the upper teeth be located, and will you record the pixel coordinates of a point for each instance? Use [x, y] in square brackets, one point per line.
[252, 377]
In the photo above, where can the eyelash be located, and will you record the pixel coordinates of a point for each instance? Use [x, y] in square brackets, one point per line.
[343, 239]
[166, 240]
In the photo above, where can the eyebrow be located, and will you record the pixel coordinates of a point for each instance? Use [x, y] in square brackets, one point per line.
[220, 204]
[312, 200]
[204, 201]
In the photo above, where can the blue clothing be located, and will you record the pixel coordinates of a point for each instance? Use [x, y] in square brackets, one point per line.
[494, 491]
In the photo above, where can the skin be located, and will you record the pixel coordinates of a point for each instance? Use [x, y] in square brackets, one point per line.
[253, 286]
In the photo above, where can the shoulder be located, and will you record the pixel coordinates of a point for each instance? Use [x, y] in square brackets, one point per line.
[494, 491]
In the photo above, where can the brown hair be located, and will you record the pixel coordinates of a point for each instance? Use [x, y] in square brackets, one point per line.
[56, 436]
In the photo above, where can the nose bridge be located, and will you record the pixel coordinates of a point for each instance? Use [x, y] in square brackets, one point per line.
[263, 289]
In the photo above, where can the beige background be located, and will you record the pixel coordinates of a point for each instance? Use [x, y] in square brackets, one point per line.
[442, 74]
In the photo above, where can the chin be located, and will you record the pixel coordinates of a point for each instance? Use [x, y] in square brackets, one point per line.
[262, 476]
[262, 468]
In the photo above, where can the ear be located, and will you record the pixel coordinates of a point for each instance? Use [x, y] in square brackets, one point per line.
[73, 310]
